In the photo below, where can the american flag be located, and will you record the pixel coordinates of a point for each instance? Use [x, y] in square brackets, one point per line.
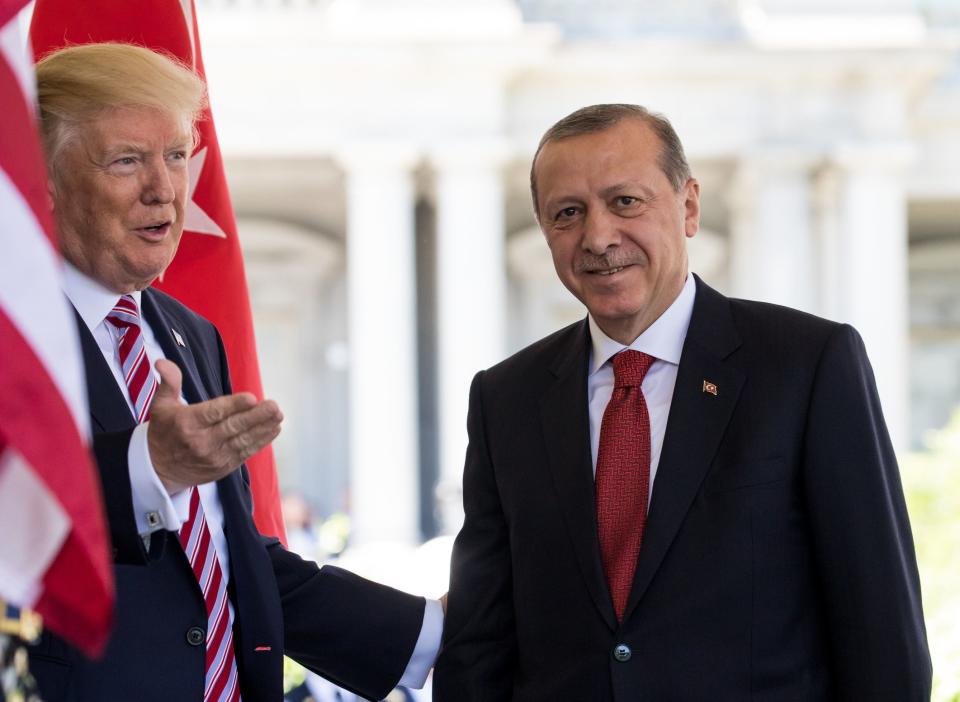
[54, 554]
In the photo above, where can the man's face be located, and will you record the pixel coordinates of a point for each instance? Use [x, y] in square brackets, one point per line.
[615, 225]
[118, 196]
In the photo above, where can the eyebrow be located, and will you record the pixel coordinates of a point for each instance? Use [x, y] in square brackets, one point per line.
[123, 148]
[618, 188]
[141, 149]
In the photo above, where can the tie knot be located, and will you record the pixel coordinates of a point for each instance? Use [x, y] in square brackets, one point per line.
[629, 368]
[125, 313]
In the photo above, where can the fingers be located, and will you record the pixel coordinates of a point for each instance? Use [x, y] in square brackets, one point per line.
[249, 431]
[201, 443]
[170, 380]
[264, 413]
[217, 410]
[242, 431]
[250, 442]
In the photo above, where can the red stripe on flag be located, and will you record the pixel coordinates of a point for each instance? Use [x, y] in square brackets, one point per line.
[9, 8]
[78, 588]
[20, 155]
[156, 24]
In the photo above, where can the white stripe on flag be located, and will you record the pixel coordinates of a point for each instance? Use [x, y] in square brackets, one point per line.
[28, 282]
[25, 500]
[14, 48]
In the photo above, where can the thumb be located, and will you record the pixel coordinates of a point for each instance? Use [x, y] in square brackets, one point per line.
[170, 380]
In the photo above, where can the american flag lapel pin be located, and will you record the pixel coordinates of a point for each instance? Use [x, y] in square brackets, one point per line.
[260, 649]
[710, 387]
[179, 339]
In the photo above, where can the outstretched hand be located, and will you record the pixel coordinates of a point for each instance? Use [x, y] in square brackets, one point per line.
[200, 443]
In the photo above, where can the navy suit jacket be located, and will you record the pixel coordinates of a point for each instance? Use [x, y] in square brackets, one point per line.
[777, 561]
[357, 633]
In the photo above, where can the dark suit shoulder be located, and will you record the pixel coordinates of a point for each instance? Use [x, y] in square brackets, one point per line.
[783, 331]
[185, 321]
[177, 310]
[551, 352]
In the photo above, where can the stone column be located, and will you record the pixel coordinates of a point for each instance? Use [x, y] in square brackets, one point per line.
[381, 319]
[773, 247]
[471, 297]
[871, 248]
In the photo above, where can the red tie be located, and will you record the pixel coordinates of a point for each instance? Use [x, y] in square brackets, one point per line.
[141, 383]
[221, 683]
[623, 475]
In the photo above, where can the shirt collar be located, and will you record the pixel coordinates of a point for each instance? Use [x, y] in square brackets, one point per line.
[663, 339]
[90, 298]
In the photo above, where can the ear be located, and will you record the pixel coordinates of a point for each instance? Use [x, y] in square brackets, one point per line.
[51, 195]
[691, 208]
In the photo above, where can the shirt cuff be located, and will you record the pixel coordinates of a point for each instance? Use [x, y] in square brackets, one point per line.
[428, 645]
[153, 508]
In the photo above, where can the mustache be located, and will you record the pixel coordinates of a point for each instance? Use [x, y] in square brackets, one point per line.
[588, 262]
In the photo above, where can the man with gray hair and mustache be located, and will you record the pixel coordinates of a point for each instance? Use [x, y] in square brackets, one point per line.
[682, 497]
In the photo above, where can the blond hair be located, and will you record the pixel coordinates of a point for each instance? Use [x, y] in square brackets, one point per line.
[77, 83]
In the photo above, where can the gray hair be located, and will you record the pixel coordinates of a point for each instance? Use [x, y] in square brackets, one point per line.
[597, 118]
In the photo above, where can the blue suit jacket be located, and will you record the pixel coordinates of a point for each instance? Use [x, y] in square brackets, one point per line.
[357, 633]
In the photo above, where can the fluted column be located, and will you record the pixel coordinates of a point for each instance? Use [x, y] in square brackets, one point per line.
[381, 315]
[471, 296]
[773, 245]
[871, 247]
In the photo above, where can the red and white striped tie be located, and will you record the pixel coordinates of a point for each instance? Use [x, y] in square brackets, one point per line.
[221, 683]
[141, 383]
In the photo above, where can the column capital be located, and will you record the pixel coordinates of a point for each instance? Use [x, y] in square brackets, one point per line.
[766, 164]
[887, 155]
[470, 154]
[788, 157]
[377, 154]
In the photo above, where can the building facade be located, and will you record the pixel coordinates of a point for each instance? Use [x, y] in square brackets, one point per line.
[378, 155]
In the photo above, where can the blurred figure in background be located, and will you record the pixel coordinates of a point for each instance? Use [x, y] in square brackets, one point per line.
[303, 536]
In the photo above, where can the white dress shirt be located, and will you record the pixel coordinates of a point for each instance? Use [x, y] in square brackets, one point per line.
[153, 507]
[664, 341]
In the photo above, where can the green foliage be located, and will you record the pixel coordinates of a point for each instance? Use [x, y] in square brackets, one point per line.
[293, 674]
[931, 481]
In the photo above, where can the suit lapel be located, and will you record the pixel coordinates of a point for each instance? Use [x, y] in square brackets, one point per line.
[565, 419]
[109, 410]
[164, 327]
[695, 426]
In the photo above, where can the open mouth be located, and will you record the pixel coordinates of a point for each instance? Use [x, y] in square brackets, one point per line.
[154, 230]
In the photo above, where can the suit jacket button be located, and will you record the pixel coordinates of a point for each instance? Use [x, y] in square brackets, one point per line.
[196, 636]
[622, 652]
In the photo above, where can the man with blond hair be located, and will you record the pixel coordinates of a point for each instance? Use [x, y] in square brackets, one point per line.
[682, 497]
[206, 607]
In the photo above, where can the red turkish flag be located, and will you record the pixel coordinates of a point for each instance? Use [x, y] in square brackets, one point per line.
[54, 554]
[207, 273]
